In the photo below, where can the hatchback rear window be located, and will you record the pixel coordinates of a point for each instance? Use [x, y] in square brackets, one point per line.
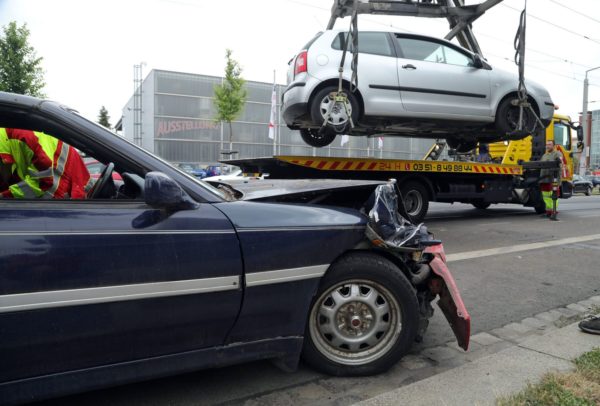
[376, 43]
[309, 43]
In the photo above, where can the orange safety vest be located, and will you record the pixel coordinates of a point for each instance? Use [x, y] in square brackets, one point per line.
[41, 166]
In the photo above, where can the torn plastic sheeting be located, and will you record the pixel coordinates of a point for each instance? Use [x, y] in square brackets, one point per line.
[387, 223]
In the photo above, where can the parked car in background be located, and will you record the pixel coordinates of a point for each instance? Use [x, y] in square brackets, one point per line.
[595, 179]
[582, 185]
[408, 84]
[213, 170]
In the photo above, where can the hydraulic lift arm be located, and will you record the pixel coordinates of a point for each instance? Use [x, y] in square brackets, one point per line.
[456, 12]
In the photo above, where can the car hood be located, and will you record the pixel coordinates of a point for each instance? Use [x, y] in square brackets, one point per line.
[260, 189]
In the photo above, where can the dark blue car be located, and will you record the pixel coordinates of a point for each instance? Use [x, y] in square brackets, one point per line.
[165, 274]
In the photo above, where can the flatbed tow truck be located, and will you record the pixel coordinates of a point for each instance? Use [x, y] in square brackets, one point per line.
[513, 178]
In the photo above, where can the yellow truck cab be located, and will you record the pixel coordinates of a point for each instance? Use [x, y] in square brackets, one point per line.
[516, 152]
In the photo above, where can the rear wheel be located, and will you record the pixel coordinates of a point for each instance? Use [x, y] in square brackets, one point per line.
[416, 200]
[338, 121]
[540, 208]
[364, 317]
[588, 191]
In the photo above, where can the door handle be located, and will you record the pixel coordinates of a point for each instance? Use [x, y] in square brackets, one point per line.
[409, 66]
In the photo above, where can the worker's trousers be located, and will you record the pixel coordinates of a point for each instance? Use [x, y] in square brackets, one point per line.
[546, 189]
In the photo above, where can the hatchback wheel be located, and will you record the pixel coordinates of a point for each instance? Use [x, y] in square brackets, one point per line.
[364, 317]
[316, 137]
[507, 118]
[338, 120]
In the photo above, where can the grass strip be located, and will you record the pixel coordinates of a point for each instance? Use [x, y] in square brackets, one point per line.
[578, 388]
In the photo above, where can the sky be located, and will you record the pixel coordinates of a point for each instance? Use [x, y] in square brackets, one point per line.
[89, 47]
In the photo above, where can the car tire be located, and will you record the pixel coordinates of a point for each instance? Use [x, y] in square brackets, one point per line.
[363, 319]
[540, 208]
[416, 200]
[316, 138]
[481, 205]
[338, 122]
[507, 117]
[588, 191]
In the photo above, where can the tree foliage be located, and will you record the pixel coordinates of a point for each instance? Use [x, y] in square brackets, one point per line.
[20, 69]
[104, 118]
[231, 95]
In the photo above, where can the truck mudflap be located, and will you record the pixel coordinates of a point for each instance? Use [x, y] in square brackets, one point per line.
[450, 301]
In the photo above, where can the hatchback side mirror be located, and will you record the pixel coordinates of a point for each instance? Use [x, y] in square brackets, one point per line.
[477, 61]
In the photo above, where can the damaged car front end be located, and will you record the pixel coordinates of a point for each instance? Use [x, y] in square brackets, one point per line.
[389, 278]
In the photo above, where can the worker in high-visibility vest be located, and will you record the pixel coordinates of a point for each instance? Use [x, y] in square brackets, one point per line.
[37, 165]
[550, 180]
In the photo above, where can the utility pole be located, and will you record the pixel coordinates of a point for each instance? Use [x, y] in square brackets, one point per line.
[584, 120]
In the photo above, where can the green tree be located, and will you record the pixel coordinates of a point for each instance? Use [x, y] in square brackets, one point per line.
[20, 69]
[231, 95]
[104, 118]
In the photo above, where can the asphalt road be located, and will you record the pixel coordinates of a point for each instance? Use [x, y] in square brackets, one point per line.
[498, 287]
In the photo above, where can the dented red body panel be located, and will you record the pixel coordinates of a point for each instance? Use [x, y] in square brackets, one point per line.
[450, 301]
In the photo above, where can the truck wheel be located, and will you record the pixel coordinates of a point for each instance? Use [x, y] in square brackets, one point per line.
[314, 138]
[364, 317]
[416, 200]
[339, 119]
[507, 117]
[540, 208]
[481, 205]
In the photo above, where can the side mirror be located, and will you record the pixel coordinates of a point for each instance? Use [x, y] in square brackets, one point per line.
[579, 130]
[477, 61]
[160, 191]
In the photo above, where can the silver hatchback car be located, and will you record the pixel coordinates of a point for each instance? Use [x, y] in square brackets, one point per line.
[411, 85]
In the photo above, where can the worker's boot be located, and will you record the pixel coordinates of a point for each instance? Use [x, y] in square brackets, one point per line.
[591, 325]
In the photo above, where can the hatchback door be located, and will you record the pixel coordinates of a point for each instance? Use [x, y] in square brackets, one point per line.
[91, 283]
[377, 72]
[437, 78]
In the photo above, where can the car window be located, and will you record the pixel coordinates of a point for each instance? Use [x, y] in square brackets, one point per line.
[562, 135]
[430, 51]
[309, 43]
[375, 43]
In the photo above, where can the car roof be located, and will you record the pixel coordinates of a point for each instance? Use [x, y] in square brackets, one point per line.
[405, 34]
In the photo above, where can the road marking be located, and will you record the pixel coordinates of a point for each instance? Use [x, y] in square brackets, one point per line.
[519, 248]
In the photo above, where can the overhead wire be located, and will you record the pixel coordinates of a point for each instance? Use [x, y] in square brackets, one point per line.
[575, 11]
[554, 25]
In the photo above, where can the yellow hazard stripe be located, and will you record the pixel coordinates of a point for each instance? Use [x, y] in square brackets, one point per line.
[392, 165]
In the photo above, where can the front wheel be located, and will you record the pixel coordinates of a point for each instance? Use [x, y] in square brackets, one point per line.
[507, 118]
[317, 138]
[364, 317]
[588, 191]
[481, 205]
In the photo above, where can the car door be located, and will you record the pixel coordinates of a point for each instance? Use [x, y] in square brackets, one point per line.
[92, 283]
[439, 79]
[377, 72]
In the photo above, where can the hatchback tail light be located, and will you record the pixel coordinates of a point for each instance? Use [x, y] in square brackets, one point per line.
[301, 63]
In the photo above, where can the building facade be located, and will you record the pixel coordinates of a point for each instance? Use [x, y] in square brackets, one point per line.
[594, 164]
[176, 114]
